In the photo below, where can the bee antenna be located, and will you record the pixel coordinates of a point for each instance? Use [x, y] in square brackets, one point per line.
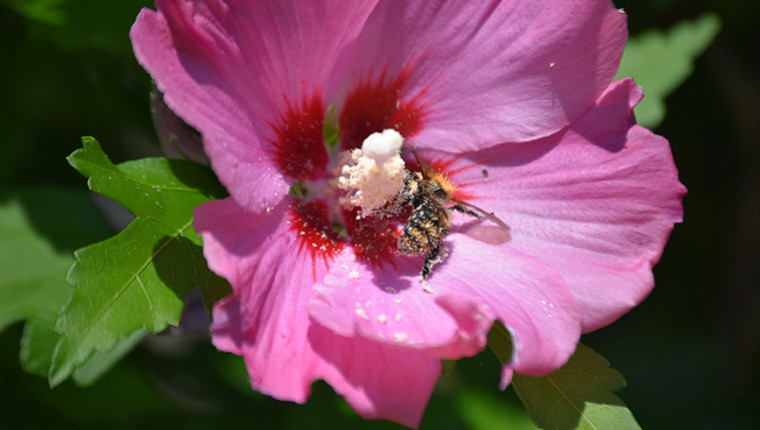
[424, 168]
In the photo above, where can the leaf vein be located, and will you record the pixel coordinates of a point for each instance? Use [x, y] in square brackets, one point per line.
[570, 401]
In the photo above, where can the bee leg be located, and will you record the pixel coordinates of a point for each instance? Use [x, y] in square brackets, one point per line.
[430, 262]
[464, 209]
[436, 256]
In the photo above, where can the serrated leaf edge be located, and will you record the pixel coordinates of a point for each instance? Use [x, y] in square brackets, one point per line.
[56, 377]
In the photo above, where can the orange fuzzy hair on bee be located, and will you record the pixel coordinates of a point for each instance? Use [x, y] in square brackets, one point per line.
[430, 172]
[442, 180]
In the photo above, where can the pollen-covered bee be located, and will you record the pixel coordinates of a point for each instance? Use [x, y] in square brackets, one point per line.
[430, 193]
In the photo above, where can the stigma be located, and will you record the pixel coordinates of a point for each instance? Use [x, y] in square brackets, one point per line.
[373, 175]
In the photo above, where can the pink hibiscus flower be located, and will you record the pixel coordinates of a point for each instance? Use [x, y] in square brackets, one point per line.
[511, 100]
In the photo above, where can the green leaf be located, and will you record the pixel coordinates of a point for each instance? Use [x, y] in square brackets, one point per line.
[139, 278]
[577, 396]
[482, 410]
[500, 342]
[661, 61]
[32, 285]
[92, 369]
[39, 229]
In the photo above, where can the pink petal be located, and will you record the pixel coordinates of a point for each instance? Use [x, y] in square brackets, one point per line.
[477, 283]
[528, 296]
[265, 320]
[492, 72]
[525, 294]
[378, 380]
[239, 72]
[596, 202]
[262, 319]
[390, 305]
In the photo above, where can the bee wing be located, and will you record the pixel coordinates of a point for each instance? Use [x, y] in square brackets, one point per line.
[494, 232]
[482, 230]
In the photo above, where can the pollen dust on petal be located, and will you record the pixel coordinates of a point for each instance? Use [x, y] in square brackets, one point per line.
[373, 238]
[311, 222]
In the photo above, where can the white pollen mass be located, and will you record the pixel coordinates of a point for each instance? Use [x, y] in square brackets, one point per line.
[375, 173]
[382, 146]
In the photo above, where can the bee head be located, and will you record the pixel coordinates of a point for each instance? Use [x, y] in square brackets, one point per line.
[445, 188]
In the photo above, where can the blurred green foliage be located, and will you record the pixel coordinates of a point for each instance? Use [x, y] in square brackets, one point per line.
[661, 60]
[690, 352]
[31, 287]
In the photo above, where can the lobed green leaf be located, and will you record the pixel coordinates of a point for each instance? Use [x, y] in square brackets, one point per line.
[138, 279]
[577, 396]
[36, 245]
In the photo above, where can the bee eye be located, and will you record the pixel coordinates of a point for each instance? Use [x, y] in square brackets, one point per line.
[440, 193]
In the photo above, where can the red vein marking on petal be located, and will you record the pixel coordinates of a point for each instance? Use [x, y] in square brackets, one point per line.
[374, 239]
[311, 221]
[373, 107]
[299, 148]
[444, 165]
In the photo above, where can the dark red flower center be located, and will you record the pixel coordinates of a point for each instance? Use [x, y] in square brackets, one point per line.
[375, 106]
[374, 239]
[310, 220]
[299, 149]
[301, 152]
